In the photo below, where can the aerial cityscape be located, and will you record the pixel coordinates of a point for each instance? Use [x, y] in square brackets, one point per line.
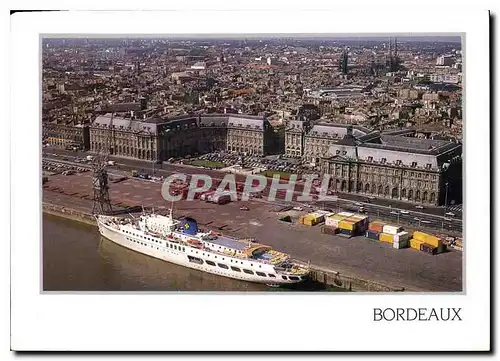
[277, 164]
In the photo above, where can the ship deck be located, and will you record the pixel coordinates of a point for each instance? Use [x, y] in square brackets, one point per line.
[229, 243]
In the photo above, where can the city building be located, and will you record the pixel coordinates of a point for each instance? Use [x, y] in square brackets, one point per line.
[311, 140]
[159, 139]
[66, 134]
[396, 166]
[445, 78]
[445, 60]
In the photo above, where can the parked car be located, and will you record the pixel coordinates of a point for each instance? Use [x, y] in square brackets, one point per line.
[404, 212]
[244, 208]
[419, 206]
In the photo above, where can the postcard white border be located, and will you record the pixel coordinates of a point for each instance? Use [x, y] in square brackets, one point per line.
[232, 322]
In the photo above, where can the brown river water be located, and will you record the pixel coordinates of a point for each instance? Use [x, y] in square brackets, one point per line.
[77, 258]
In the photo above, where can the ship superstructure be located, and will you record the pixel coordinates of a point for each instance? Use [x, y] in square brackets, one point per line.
[181, 242]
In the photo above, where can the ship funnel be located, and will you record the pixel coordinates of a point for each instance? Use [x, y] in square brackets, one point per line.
[188, 225]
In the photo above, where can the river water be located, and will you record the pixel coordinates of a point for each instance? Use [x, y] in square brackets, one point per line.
[77, 258]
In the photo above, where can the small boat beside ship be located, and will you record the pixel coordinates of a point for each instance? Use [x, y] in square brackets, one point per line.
[181, 242]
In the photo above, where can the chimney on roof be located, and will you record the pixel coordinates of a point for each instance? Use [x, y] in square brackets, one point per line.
[349, 132]
[144, 103]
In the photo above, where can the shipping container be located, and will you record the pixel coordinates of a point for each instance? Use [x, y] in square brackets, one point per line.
[385, 237]
[389, 229]
[400, 244]
[329, 230]
[433, 241]
[401, 236]
[308, 220]
[420, 236]
[331, 221]
[376, 227]
[415, 243]
[441, 248]
[372, 235]
[345, 232]
[349, 226]
[427, 248]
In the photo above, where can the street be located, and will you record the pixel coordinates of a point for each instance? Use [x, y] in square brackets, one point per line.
[384, 209]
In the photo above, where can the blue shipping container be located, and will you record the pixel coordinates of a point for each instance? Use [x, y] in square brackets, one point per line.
[372, 235]
[346, 232]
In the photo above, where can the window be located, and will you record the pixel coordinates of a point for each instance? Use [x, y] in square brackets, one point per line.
[284, 277]
[413, 164]
[195, 260]
[428, 166]
[271, 275]
[221, 265]
[398, 162]
[260, 274]
[383, 160]
[236, 269]
[294, 278]
[248, 271]
[370, 159]
[210, 263]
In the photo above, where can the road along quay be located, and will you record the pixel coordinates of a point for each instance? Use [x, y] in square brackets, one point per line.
[346, 260]
[418, 219]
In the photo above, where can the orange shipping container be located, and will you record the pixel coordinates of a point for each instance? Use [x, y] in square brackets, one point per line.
[376, 227]
[388, 238]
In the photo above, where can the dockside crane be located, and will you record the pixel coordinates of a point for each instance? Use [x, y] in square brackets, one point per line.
[100, 184]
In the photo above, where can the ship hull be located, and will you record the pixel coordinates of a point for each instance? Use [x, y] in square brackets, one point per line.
[181, 258]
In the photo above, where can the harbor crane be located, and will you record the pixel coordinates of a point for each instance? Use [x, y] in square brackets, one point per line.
[100, 184]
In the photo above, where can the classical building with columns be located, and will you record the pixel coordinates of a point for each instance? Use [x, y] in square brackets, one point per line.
[405, 168]
[310, 141]
[158, 139]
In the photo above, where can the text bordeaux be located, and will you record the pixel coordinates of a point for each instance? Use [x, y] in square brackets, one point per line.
[417, 314]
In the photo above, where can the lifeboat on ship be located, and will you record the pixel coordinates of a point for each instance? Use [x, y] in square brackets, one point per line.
[194, 243]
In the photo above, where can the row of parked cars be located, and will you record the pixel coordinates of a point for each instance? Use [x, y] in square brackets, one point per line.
[277, 164]
[65, 169]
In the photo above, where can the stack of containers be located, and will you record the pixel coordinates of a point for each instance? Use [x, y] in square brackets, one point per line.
[331, 224]
[349, 226]
[334, 220]
[388, 233]
[364, 221]
[374, 230]
[401, 240]
[428, 243]
[314, 218]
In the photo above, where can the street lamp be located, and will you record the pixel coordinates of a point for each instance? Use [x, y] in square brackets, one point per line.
[445, 198]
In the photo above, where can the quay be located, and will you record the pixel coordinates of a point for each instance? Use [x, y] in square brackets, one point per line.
[355, 264]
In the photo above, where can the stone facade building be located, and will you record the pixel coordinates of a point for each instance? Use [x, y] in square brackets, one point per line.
[397, 167]
[61, 134]
[312, 140]
[160, 139]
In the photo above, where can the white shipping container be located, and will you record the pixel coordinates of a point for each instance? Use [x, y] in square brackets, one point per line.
[400, 245]
[346, 214]
[332, 222]
[391, 229]
[401, 237]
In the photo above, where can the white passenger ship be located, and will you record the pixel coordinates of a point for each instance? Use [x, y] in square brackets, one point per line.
[180, 242]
